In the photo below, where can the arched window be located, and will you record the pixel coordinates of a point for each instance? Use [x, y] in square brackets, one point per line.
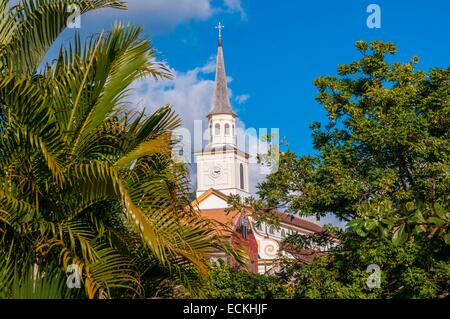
[241, 173]
[227, 129]
[210, 130]
[217, 129]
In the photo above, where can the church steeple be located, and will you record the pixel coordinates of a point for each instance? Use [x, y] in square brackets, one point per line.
[221, 165]
[221, 100]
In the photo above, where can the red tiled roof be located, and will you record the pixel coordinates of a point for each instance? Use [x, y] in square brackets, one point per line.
[299, 222]
[229, 219]
[304, 255]
[219, 215]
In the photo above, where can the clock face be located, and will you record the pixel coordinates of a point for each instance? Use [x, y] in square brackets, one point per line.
[216, 172]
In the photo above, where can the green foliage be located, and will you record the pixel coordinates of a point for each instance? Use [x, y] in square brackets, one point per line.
[82, 180]
[383, 155]
[49, 286]
[228, 283]
[417, 269]
[383, 166]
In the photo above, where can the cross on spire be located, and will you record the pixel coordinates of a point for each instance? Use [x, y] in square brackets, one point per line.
[221, 101]
[219, 27]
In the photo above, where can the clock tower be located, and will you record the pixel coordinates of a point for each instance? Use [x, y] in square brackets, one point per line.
[221, 165]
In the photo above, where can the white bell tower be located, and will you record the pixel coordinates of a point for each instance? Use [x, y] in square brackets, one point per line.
[221, 165]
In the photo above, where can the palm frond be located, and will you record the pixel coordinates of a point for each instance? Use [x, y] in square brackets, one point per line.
[27, 48]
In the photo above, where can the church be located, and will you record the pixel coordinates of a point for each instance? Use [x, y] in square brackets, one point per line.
[222, 170]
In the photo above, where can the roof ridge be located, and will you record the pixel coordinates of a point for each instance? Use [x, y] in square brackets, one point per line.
[293, 217]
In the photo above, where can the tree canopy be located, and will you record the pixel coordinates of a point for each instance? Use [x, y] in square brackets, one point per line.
[383, 158]
[382, 165]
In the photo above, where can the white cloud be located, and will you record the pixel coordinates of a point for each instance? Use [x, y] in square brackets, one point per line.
[235, 6]
[241, 99]
[190, 93]
[162, 16]
[167, 14]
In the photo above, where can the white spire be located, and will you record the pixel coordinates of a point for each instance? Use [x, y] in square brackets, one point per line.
[221, 101]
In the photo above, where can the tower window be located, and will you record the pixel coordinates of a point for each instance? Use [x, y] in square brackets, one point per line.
[241, 173]
[217, 129]
[227, 129]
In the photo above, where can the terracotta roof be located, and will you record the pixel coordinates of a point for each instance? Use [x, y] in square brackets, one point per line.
[299, 222]
[304, 255]
[223, 218]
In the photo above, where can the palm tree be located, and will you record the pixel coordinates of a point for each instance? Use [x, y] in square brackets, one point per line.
[84, 181]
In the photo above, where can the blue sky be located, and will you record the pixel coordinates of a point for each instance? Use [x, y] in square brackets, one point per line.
[274, 50]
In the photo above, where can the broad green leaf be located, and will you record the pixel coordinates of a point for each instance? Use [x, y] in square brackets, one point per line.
[370, 224]
[437, 221]
[388, 222]
[441, 211]
[400, 235]
[354, 223]
[447, 239]
[417, 217]
[360, 232]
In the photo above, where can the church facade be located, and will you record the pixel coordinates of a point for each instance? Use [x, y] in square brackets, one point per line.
[222, 170]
